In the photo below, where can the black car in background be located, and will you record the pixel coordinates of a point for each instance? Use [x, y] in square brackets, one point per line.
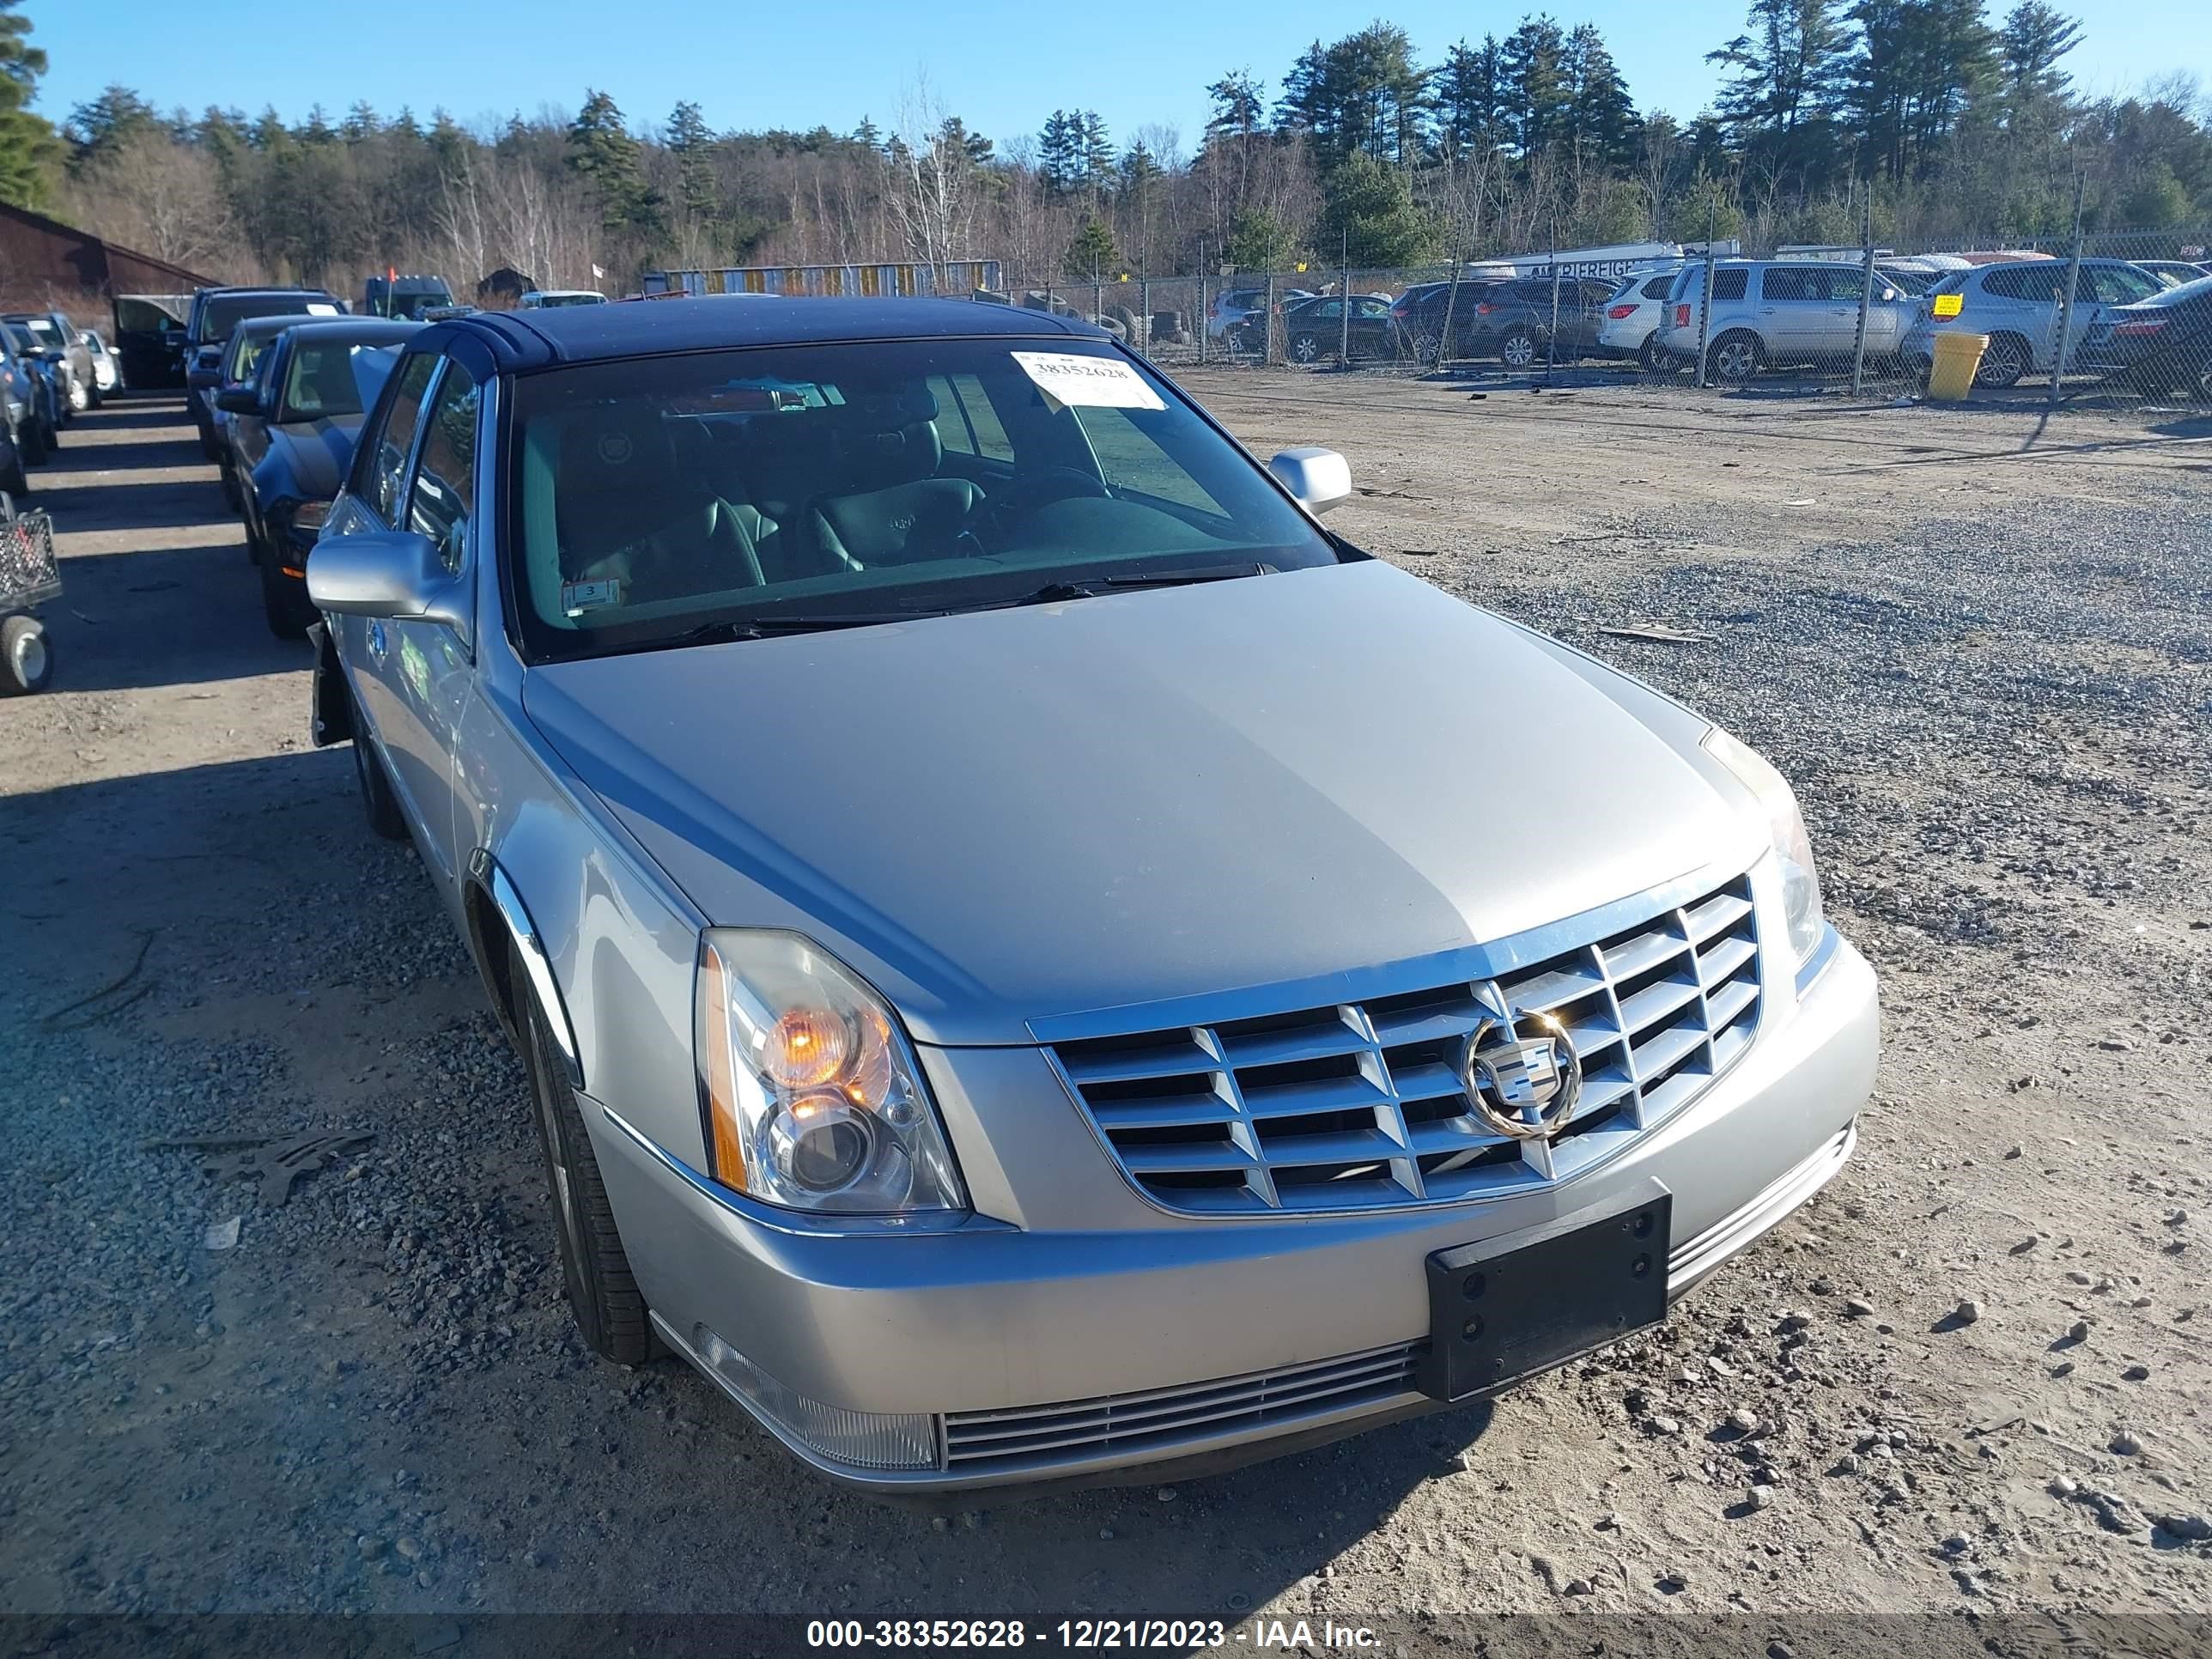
[1314, 328]
[216, 311]
[1511, 320]
[2162, 346]
[292, 434]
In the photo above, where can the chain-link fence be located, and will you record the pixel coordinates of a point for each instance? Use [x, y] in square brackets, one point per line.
[2105, 318]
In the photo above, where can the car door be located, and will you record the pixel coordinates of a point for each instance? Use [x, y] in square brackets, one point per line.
[1793, 304]
[376, 499]
[437, 661]
[1370, 326]
[2102, 285]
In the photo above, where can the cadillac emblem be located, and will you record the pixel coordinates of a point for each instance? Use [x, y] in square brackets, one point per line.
[1523, 1075]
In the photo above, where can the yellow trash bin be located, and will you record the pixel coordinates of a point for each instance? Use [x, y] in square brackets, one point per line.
[1958, 355]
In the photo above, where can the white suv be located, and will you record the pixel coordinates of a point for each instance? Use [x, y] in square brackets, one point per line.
[1635, 314]
[2015, 303]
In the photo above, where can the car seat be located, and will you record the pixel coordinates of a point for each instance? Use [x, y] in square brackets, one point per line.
[885, 443]
[629, 510]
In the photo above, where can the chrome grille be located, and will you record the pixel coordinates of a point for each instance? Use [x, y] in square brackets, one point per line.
[1361, 1105]
[1161, 1419]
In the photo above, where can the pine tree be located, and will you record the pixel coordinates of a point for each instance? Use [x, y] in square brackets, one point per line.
[602, 151]
[1470, 95]
[1060, 152]
[693, 145]
[1786, 80]
[1600, 120]
[2036, 36]
[1239, 106]
[1092, 253]
[1537, 93]
[1368, 215]
[28, 148]
[98, 129]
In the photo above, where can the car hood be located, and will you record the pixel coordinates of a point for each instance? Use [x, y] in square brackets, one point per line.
[1008, 816]
[316, 451]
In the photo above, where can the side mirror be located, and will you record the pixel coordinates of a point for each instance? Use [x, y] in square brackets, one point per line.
[1319, 478]
[238, 400]
[394, 573]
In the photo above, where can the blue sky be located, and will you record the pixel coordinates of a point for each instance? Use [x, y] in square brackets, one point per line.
[1139, 63]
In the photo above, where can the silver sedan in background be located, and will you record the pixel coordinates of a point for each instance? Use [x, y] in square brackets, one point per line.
[1036, 961]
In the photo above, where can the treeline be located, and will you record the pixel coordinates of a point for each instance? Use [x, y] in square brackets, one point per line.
[1946, 122]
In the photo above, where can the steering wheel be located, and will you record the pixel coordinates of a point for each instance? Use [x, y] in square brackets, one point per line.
[991, 518]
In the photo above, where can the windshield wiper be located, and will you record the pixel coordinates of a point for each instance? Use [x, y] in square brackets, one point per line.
[1091, 587]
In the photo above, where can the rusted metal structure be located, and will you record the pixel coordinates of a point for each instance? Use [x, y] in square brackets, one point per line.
[45, 264]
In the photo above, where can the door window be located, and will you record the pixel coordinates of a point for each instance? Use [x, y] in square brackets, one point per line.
[1785, 284]
[2122, 285]
[443, 494]
[383, 463]
[2039, 283]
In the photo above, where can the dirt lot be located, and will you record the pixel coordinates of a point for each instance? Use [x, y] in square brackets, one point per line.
[1982, 648]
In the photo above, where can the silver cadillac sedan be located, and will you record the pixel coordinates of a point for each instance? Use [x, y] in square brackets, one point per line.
[1036, 962]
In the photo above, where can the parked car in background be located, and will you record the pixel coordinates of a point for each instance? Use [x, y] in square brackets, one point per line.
[2174, 273]
[547, 299]
[1633, 312]
[55, 333]
[292, 434]
[2015, 303]
[106, 370]
[404, 296]
[149, 338]
[48, 398]
[870, 1076]
[1794, 313]
[2162, 346]
[1314, 327]
[1510, 320]
[216, 311]
[21, 424]
[1233, 308]
[239, 366]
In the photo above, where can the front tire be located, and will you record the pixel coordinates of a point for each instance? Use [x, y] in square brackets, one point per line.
[284, 602]
[603, 1293]
[378, 803]
[26, 661]
[1305, 348]
[1518, 350]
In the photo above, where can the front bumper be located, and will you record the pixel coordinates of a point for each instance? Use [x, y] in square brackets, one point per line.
[1114, 1337]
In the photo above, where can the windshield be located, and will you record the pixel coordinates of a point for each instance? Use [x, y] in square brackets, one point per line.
[221, 314]
[333, 380]
[546, 301]
[796, 485]
[43, 331]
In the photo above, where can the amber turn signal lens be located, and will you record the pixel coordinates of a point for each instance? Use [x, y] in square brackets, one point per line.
[728, 1150]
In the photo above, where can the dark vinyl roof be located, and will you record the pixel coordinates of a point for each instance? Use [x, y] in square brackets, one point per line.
[523, 340]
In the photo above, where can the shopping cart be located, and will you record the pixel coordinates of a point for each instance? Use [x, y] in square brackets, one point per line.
[28, 578]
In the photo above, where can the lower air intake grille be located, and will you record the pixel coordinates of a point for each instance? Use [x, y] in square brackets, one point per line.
[1161, 1419]
[1362, 1105]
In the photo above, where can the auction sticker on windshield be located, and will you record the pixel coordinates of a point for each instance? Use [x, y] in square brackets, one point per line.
[1072, 382]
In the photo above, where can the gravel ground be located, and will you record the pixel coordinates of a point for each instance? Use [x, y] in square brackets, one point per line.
[1972, 1375]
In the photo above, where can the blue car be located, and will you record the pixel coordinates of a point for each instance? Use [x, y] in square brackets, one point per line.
[289, 434]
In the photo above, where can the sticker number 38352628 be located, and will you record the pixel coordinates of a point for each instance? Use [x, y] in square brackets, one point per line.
[1069, 381]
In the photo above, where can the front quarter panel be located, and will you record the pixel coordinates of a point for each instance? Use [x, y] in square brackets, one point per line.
[620, 939]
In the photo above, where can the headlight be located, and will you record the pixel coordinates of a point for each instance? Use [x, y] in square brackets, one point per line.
[811, 1097]
[1801, 882]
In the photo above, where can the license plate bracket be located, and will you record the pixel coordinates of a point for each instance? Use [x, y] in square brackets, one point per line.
[1508, 1308]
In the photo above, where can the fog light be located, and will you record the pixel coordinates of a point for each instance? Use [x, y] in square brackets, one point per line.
[865, 1440]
